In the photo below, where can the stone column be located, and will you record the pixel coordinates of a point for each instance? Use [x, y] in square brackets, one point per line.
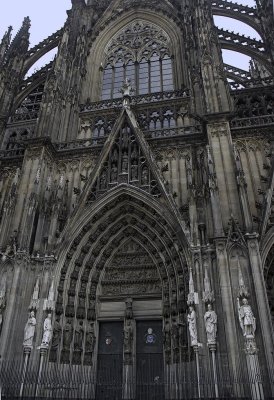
[43, 357]
[227, 303]
[261, 301]
[128, 373]
[20, 261]
[27, 351]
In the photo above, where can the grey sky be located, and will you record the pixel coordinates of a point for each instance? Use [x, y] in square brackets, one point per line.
[48, 16]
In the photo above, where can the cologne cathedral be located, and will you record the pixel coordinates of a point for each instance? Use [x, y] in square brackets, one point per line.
[137, 205]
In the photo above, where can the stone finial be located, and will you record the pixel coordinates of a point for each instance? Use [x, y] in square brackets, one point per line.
[243, 291]
[34, 304]
[191, 291]
[208, 294]
[49, 303]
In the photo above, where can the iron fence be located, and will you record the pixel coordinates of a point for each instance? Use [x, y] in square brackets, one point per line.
[180, 381]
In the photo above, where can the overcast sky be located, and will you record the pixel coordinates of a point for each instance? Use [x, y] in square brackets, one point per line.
[48, 16]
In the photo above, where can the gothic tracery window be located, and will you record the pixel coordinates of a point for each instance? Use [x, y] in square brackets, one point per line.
[141, 53]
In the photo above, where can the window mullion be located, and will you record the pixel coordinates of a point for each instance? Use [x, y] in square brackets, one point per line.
[149, 76]
[137, 76]
[161, 75]
[112, 83]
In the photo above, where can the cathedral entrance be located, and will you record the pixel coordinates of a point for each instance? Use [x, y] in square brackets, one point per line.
[110, 361]
[149, 360]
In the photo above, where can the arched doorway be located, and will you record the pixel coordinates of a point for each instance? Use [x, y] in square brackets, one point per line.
[123, 286]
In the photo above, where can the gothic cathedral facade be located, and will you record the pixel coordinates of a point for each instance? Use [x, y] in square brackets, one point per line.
[137, 205]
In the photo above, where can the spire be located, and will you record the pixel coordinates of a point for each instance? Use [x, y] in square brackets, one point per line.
[20, 43]
[4, 45]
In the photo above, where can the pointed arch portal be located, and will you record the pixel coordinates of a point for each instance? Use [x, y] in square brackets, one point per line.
[127, 246]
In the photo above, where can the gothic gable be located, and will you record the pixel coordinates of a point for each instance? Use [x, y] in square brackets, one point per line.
[125, 163]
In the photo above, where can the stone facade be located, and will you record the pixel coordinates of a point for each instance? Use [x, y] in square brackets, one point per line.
[136, 205]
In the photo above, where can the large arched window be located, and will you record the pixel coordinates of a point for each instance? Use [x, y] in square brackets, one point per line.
[140, 53]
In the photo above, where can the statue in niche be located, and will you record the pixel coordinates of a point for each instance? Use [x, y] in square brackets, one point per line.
[192, 326]
[78, 336]
[67, 335]
[124, 162]
[246, 318]
[56, 334]
[29, 330]
[134, 152]
[103, 180]
[134, 170]
[47, 331]
[145, 176]
[114, 173]
[90, 338]
[115, 155]
[210, 319]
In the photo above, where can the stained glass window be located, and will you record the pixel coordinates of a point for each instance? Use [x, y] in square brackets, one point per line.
[140, 53]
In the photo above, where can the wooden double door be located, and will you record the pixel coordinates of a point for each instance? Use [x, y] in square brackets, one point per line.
[148, 381]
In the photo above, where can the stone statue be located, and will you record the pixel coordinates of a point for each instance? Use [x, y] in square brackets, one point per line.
[175, 334]
[29, 330]
[47, 332]
[90, 338]
[210, 319]
[192, 326]
[127, 89]
[128, 311]
[56, 334]
[67, 335]
[246, 318]
[128, 336]
[78, 336]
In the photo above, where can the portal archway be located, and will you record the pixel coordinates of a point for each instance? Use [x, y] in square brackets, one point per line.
[91, 279]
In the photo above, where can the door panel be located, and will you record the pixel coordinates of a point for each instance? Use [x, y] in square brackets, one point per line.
[149, 360]
[110, 361]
